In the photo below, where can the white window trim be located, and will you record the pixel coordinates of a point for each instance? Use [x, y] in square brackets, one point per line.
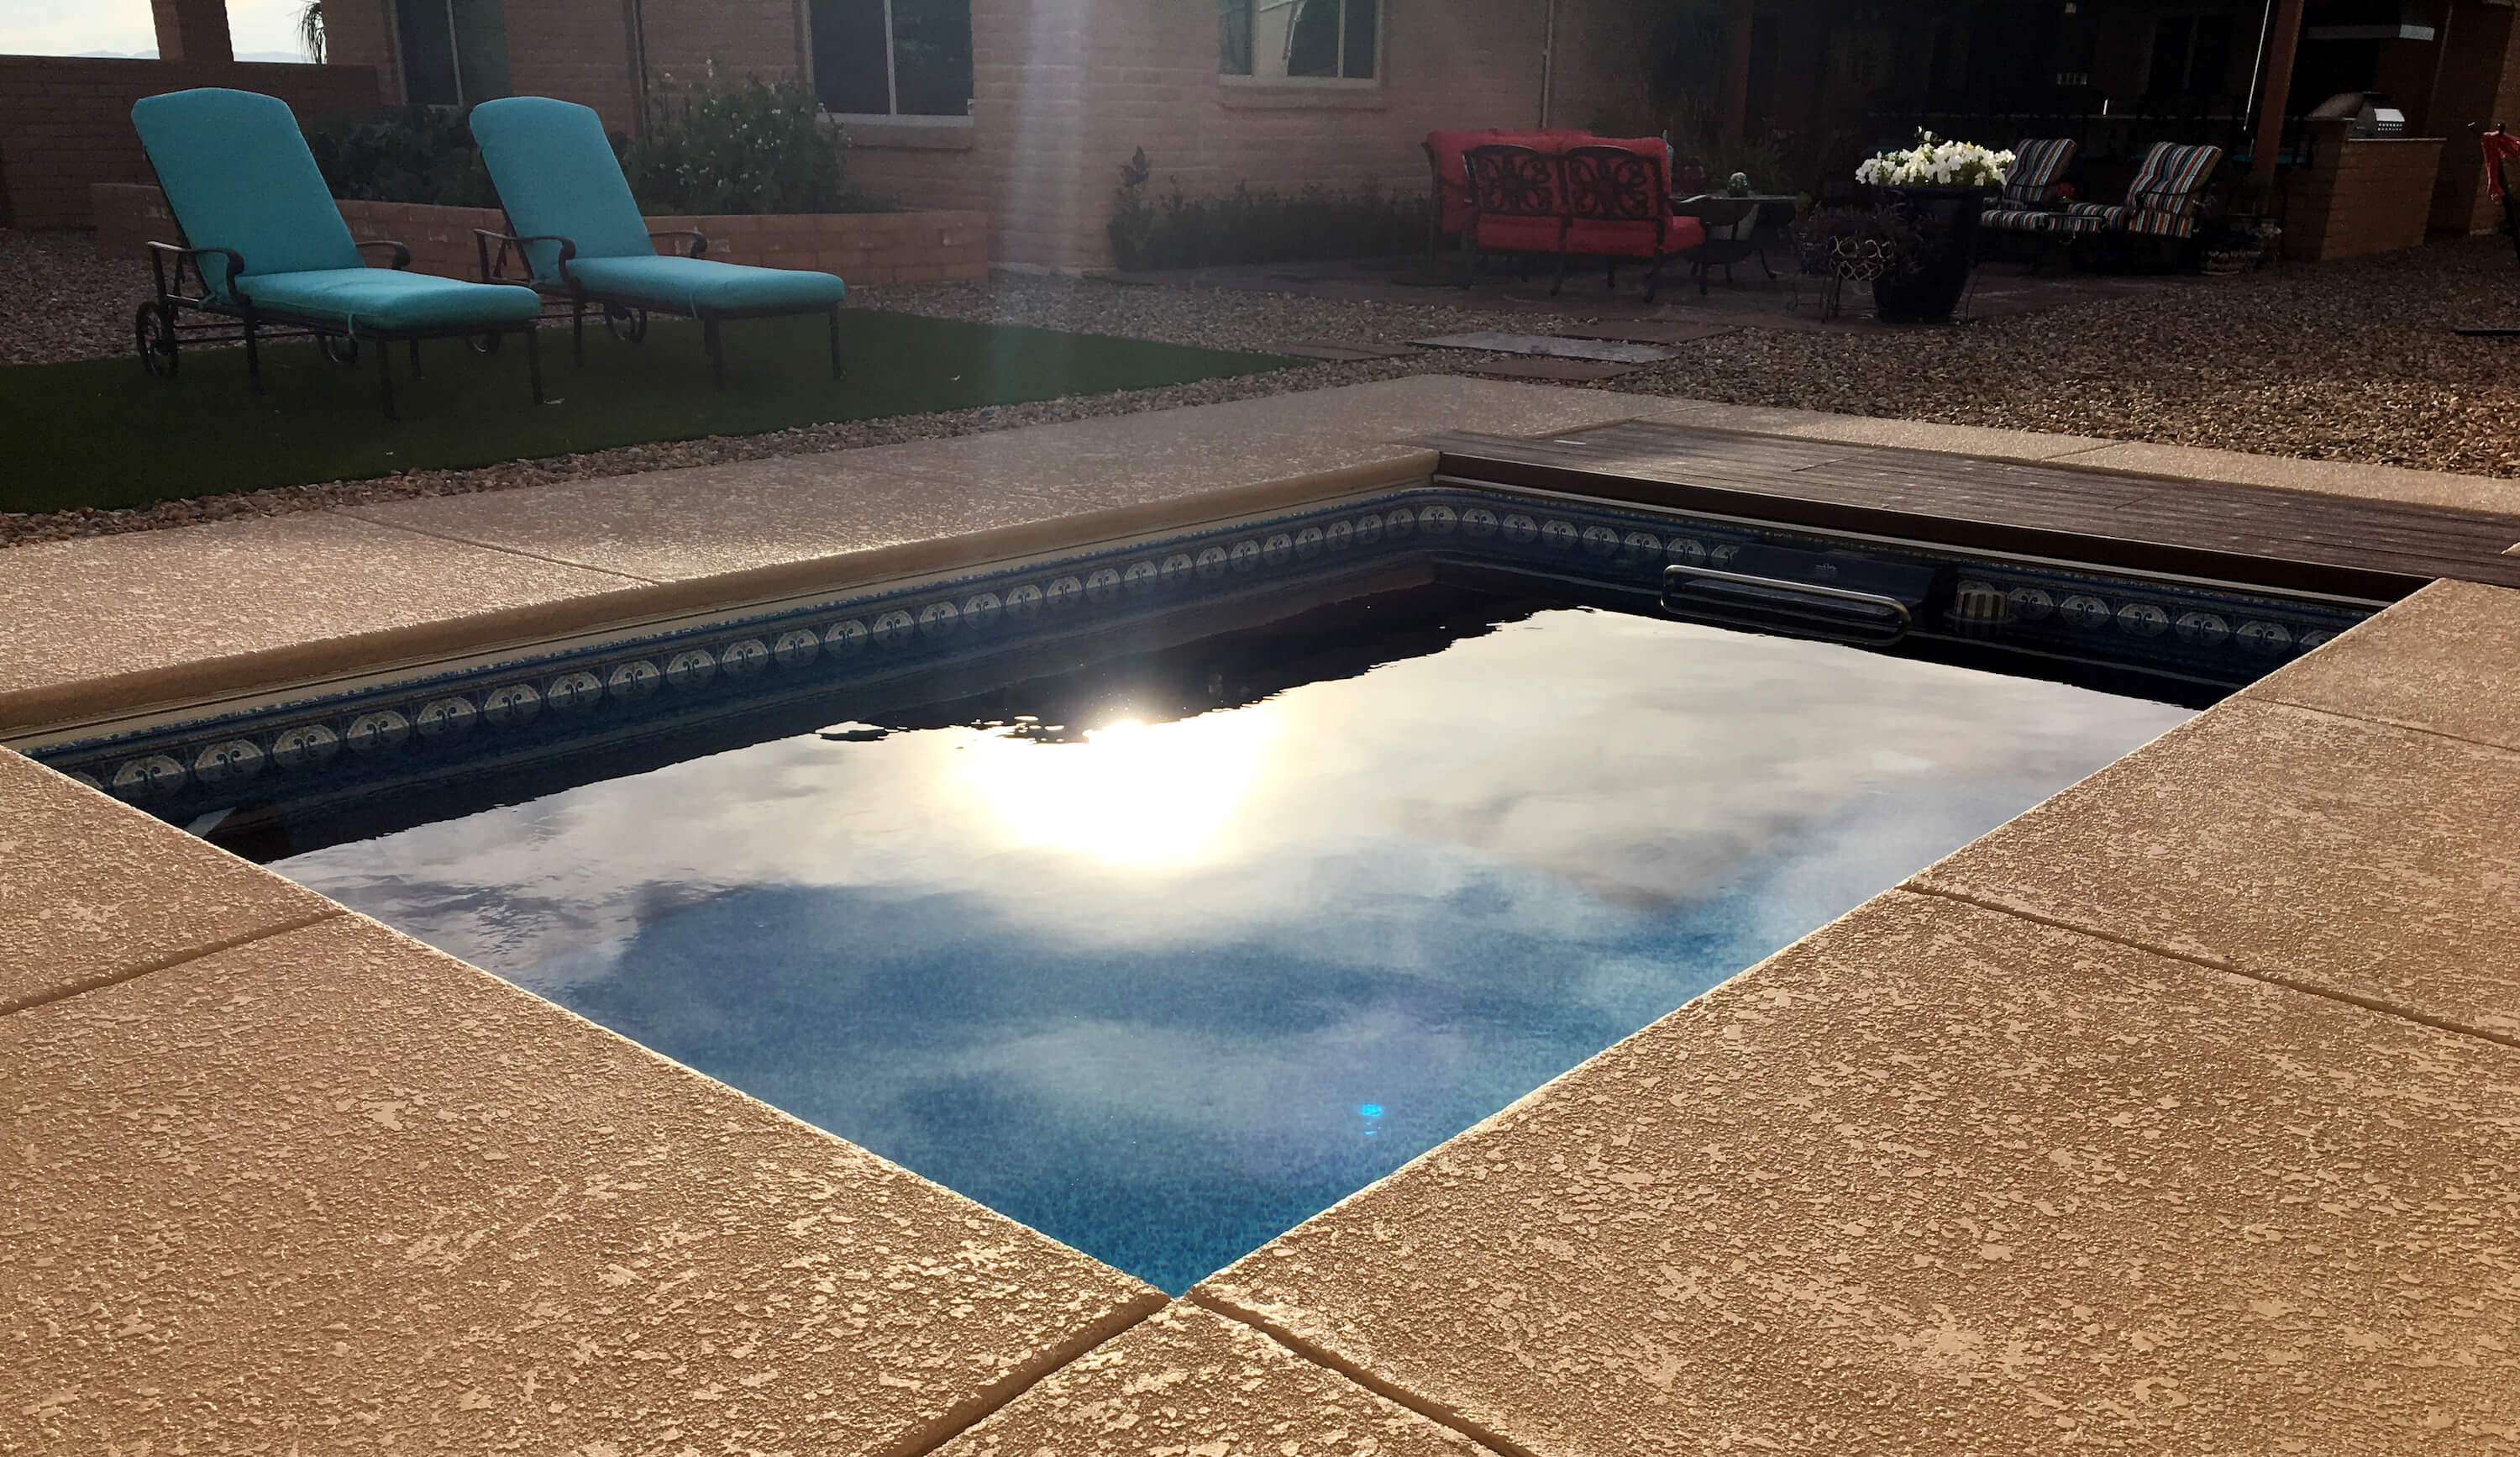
[892, 79]
[882, 119]
[1381, 55]
[1307, 83]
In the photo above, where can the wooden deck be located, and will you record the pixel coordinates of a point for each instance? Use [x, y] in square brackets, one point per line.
[2291, 540]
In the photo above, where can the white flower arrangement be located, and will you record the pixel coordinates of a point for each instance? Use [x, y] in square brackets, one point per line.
[1934, 162]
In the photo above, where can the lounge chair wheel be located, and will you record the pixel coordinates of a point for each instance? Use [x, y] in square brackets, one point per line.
[341, 349]
[628, 325]
[155, 333]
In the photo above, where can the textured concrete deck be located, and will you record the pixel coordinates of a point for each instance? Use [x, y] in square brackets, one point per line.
[331, 1186]
[93, 890]
[2181, 1114]
[1941, 1179]
[112, 623]
[1192, 1382]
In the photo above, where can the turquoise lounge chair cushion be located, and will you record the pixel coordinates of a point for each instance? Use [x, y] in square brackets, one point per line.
[690, 286]
[238, 175]
[384, 298]
[556, 173]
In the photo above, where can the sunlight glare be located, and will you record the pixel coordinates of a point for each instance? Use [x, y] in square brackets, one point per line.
[1132, 793]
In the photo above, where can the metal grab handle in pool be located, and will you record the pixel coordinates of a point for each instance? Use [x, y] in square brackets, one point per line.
[1875, 620]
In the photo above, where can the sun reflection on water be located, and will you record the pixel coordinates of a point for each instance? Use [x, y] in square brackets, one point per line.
[1131, 794]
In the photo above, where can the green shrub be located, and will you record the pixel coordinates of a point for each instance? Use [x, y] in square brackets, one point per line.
[405, 154]
[712, 150]
[750, 146]
[1696, 137]
[1256, 225]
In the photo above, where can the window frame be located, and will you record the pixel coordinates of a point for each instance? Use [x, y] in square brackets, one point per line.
[2194, 18]
[399, 14]
[891, 84]
[1253, 77]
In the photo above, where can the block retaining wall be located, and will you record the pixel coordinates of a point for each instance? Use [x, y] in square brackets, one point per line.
[65, 121]
[863, 247]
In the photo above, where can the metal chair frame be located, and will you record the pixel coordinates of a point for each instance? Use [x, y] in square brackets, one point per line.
[626, 314]
[2510, 225]
[160, 327]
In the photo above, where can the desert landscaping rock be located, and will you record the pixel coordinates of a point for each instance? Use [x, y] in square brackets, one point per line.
[2351, 361]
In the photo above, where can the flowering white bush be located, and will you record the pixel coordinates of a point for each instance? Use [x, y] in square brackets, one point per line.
[1933, 162]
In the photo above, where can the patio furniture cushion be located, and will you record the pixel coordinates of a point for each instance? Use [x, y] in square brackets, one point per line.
[1587, 238]
[693, 286]
[2022, 220]
[390, 300]
[557, 177]
[238, 175]
[2169, 188]
[2092, 217]
[2161, 202]
[1445, 152]
[2037, 166]
[1519, 235]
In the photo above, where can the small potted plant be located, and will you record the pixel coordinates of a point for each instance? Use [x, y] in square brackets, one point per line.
[1938, 189]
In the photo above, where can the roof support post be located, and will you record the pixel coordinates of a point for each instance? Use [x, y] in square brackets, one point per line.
[193, 32]
[1736, 119]
[2283, 43]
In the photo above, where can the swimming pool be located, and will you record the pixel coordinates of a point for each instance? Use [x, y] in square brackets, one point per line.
[1161, 896]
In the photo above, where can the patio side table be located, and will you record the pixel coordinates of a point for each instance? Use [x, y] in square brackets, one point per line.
[1748, 223]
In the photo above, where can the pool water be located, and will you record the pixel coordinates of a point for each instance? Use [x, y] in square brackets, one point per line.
[1161, 957]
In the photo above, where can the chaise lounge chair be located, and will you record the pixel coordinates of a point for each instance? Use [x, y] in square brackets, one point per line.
[2165, 201]
[2028, 203]
[265, 245]
[574, 223]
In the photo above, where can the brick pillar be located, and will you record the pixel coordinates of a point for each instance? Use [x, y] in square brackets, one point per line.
[2283, 43]
[1736, 118]
[193, 32]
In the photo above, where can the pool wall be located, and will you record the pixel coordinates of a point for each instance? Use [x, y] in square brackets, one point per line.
[378, 735]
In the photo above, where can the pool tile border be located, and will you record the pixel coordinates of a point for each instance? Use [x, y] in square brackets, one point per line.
[584, 692]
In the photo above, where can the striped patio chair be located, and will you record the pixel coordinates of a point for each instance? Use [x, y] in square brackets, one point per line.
[2027, 204]
[2168, 192]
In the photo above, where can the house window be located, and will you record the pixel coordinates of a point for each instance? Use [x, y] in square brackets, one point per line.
[893, 58]
[454, 52]
[2191, 54]
[1301, 39]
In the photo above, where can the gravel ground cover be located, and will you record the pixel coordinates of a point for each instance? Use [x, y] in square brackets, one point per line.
[58, 299]
[2348, 361]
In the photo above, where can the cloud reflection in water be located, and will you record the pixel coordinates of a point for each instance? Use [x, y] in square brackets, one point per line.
[1138, 986]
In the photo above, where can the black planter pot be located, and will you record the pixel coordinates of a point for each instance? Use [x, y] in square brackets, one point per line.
[1945, 220]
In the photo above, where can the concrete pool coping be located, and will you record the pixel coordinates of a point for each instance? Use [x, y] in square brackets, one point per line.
[273, 1169]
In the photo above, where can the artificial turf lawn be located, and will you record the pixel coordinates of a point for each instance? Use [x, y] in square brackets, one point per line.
[103, 433]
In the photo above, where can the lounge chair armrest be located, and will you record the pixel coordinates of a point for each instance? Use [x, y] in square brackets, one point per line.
[401, 251]
[163, 255]
[492, 266]
[700, 240]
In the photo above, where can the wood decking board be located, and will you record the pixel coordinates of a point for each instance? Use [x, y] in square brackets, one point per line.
[2300, 540]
